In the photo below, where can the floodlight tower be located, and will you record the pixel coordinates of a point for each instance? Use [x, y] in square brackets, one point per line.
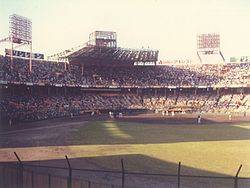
[208, 44]
[103, 39]
[20, 34]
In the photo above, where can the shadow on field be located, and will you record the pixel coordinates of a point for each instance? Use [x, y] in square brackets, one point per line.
[127, 131]
[150, 172]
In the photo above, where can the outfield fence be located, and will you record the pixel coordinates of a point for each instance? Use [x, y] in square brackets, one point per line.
[24, 175]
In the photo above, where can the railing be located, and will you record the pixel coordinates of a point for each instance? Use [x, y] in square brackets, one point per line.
[23, 175]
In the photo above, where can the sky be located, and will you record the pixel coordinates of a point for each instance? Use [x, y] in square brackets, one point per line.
[169, 26]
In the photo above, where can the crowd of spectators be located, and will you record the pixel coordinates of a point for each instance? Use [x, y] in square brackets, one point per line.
[225, 103]
[46, 72]
[51, 73]
[28, 107]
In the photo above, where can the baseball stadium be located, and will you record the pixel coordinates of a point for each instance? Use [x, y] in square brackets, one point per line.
[100, 115]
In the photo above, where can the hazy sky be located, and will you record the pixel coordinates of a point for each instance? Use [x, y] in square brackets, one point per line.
[170, 26]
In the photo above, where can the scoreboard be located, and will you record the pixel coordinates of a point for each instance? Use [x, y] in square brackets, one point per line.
[23, 54]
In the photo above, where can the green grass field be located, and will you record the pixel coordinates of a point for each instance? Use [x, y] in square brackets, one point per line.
[209, 149]
[148, 143]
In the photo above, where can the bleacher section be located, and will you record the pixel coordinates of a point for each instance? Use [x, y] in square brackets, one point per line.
[208, 88]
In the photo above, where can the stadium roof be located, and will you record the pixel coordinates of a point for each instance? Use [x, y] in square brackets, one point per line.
[89, 54]
[95, 54]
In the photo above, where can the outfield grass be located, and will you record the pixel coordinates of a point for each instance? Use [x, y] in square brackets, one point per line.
[210, 149]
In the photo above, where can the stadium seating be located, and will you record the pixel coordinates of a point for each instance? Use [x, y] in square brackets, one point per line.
[46, 73]
[51, 73]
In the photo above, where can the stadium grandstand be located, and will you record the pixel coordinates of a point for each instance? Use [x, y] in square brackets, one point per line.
[55, 89]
